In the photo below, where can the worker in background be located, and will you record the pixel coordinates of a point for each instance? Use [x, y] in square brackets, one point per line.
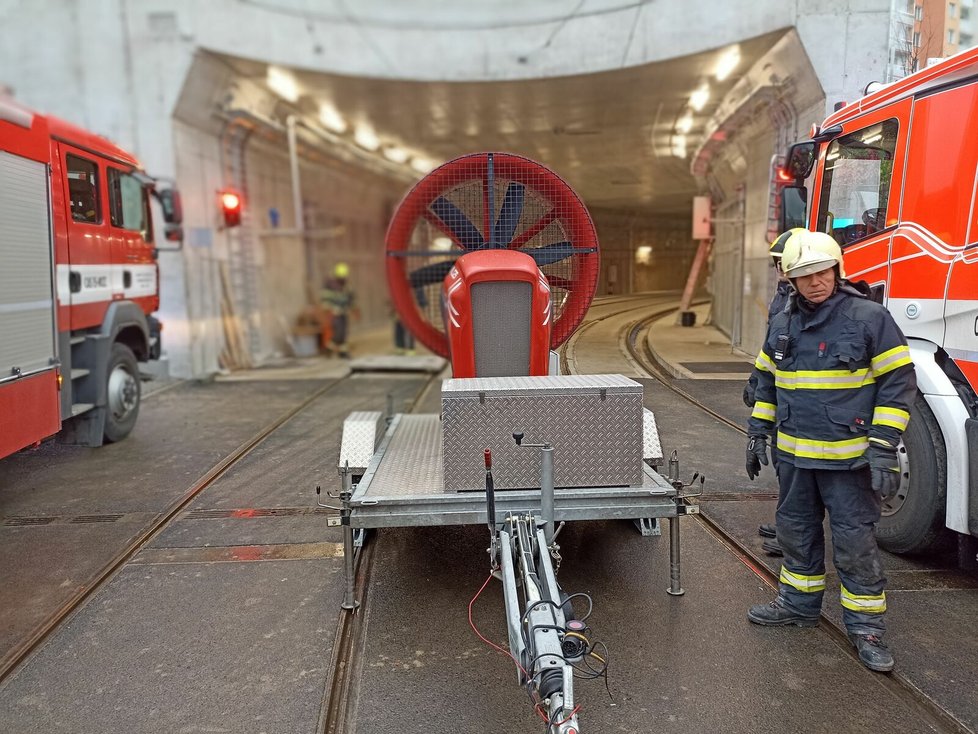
[835, 384]
[778, 302]
[337, 299]
[403, 338]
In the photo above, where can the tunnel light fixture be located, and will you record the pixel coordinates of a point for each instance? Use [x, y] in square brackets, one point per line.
[699, 98]
[679, 146]
[727, 63]
[396, 154]
[283, 83]
[685, 123]
[441, 243]
[365, 137]
[643, 255]
[422, 165]
[331, 118]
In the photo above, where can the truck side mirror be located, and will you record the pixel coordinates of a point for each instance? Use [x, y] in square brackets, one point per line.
[800, 160]
[794, 206]
[172, 207]
[173, 233]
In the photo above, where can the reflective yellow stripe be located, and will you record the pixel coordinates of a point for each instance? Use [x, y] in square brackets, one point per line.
[764, 411]
[891, 359]
[873, 604]
[808, 448]
[893, 417]
[881, 442]
[823, 379]
[764, 363]
[807, 584]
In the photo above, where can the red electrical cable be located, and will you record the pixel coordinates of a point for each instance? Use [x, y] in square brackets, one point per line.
[526, 675]
[488, 642]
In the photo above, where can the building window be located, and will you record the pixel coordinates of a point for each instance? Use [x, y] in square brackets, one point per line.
[950, 10]
[919, 12]
[83, 190]
[950, 36]
[916, 40]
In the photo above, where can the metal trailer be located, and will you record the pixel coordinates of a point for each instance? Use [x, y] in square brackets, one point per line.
[393, 470]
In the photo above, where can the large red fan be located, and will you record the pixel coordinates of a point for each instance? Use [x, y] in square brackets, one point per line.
[490, 200]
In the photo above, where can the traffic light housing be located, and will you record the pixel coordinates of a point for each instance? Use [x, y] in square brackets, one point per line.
[231, 208]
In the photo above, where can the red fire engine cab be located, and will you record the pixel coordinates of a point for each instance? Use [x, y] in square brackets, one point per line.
[78, 282]
[894, 178]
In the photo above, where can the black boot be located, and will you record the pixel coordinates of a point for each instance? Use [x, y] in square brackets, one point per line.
[773, 614]
[772, 547]
[767, 531]
[872, 652]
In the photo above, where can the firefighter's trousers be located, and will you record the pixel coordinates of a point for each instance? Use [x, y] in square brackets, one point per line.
[854, 509]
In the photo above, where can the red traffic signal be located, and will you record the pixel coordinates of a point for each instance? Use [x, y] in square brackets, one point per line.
[231, 208]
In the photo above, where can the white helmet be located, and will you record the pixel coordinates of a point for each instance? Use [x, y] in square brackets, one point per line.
[809, 252]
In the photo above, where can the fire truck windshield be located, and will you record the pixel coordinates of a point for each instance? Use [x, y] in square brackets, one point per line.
[856, 183]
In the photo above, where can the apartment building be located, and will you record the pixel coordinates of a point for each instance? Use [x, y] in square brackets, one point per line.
[941, 28]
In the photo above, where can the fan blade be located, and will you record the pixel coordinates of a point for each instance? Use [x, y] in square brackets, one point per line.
[466, 233]
[550, 254]
[428, 274]
[509, 215]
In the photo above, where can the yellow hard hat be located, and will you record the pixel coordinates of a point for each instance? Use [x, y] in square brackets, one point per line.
[777, 247]
[342, 270]
[808, 252]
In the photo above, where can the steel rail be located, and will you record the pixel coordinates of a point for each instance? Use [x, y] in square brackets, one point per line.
[346, 658]
[12, 660]
[896, 683]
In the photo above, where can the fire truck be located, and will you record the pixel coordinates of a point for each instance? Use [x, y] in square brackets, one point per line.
[894, 178]
[78, 282]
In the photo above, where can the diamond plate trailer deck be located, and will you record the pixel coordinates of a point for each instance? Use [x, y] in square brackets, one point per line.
[402, 487]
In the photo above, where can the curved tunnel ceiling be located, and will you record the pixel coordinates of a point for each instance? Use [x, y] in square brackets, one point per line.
[609, 134]
[436, 15]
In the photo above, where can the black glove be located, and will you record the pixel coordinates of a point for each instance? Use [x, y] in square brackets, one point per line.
[756, 455]
[885, 467]
[749, 389]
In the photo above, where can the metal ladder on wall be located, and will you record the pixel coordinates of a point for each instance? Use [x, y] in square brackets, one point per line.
[242, 261]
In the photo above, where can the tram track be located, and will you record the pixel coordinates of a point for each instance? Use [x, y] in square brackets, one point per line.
[17, 655]
[896, 683]
[345, 659]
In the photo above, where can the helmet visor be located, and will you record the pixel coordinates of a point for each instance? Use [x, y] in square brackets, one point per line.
[811, 267]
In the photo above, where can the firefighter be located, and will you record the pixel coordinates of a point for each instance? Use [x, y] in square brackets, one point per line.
[778, 302]
[835, 384]
[337, 299]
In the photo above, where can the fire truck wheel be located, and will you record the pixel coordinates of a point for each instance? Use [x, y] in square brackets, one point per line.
[122, 393]
[913, 520]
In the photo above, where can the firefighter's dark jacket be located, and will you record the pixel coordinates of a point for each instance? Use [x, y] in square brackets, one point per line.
[831, 379]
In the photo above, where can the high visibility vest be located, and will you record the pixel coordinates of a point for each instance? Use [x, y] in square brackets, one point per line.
[336, 296]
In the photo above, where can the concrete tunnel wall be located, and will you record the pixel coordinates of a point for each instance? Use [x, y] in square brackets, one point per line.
[119, 66]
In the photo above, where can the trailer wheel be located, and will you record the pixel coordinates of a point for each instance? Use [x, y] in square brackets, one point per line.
[123, 392]
[913, 520]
